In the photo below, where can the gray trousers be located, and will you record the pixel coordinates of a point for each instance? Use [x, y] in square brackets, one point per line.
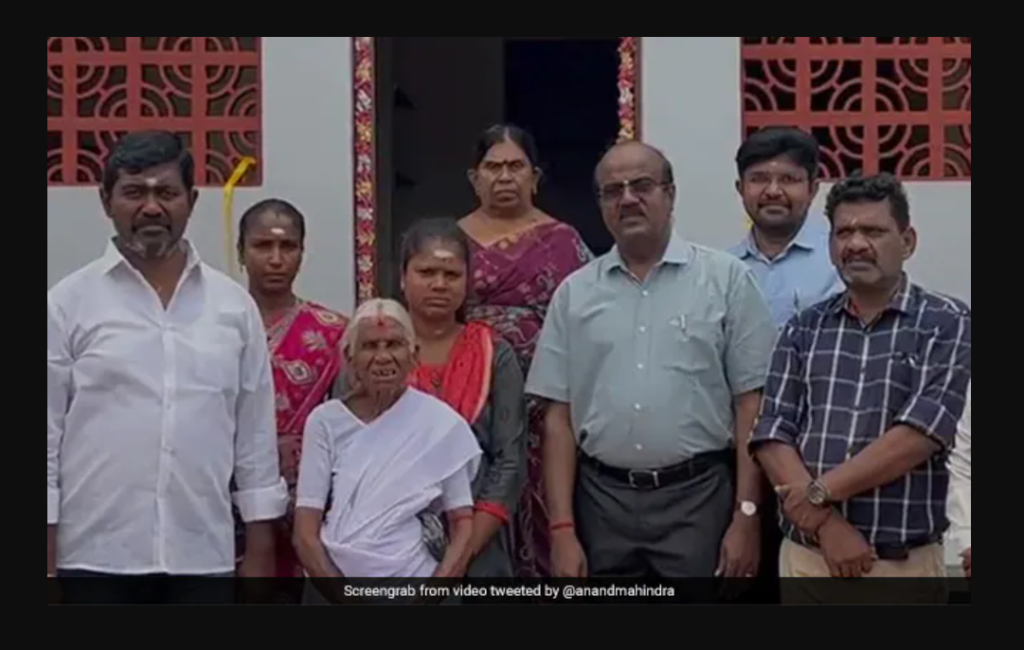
[674, 531]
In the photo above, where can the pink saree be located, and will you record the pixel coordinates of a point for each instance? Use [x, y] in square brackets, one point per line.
[305, 358]
[514, 280]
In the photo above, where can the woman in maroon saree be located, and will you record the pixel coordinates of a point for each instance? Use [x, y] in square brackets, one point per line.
[304, 339]
[519, 257]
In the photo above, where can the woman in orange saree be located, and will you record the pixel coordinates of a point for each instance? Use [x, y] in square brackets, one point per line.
[304, 339]
[470, 367]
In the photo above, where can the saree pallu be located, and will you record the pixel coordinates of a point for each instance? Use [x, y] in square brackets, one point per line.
[513, 282]
[305, 357]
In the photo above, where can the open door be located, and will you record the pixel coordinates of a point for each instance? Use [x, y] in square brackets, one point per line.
[381, 186]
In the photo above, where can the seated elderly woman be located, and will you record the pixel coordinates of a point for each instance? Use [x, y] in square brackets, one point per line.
[385, 458]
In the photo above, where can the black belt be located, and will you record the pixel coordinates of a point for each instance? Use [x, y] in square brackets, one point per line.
[652, 479]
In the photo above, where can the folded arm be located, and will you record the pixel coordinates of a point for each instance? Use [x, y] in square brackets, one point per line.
[925, 426]
[58, 398]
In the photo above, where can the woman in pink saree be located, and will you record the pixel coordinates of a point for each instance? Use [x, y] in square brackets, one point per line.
[519, 257]
[304, 338]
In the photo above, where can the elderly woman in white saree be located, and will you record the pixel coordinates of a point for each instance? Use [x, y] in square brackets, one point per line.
[384, 458]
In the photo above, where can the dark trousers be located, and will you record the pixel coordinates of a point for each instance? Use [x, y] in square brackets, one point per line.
[673, 531]
[91, 588]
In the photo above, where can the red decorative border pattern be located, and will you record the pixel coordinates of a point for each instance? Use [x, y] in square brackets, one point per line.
[629, 87]
[365, 164]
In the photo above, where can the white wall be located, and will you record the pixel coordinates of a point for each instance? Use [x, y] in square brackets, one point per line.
[691, 105]
[307, 153]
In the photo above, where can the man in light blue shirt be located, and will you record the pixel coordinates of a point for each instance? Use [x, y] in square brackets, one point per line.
[787, 248]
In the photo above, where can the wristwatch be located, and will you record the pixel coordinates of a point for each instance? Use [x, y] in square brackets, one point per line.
[818, 495]
[748, 508]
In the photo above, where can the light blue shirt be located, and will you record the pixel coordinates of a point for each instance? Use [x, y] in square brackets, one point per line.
[801, 276]
[650, 369]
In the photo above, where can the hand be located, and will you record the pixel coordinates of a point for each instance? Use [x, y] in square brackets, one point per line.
[567, 557]
[799, 511]
[740, 556]
[966, 556]
[847, 553]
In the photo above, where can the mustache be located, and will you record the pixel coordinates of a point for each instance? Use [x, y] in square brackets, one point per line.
[150, 221]
[849, 259]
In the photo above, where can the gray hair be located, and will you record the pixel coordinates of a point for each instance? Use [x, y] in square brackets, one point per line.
[372, 310]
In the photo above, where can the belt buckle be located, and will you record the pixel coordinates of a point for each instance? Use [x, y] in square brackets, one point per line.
[655, 481]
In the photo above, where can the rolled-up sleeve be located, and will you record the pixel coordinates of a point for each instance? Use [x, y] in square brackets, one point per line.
[58, 397]
[960, 483]
[549, 372]
[750, 334]
[782, 405]
[261, 493]
[941, 382]
[503, 485]
[315, 467]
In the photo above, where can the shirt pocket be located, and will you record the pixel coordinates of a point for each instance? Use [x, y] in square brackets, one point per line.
[214, 358]
[694, 342]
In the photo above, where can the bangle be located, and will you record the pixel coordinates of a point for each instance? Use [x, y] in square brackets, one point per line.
[562, 525]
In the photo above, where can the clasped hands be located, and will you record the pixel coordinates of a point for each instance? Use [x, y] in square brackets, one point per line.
[846, 552]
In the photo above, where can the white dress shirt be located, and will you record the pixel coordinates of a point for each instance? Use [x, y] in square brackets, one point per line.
[150, 414]
[960, 484]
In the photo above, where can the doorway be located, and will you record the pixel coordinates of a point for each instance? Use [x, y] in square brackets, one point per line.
[435, 95]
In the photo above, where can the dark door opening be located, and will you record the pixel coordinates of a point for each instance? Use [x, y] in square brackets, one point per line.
[437, 94]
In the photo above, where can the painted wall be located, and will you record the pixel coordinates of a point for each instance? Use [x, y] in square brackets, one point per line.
[307, 133]
[691, 109]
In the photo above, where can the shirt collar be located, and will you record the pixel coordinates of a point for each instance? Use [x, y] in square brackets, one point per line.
[809, 238]
[906, 300]
[114, 258]
[678, 253]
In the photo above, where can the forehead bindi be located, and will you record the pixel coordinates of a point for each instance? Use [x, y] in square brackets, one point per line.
[164, 176]
[274, 227]
[504, 153]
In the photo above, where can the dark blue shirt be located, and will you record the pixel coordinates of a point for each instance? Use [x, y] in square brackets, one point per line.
[836, 385]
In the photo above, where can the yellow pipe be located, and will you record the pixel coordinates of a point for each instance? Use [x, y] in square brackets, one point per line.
[233, 264]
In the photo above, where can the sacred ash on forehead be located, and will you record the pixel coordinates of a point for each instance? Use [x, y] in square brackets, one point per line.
[443, 254]
[280, 232]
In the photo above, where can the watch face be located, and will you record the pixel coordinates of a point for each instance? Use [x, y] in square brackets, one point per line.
[748, 508]
[816, 495]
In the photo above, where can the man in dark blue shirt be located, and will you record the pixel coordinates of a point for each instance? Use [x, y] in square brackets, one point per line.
[862, 403]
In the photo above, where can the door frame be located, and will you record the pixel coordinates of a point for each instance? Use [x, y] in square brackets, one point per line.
[364, 145]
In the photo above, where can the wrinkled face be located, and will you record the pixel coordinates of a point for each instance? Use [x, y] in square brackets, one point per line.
[150, 210]
[868, 248]
[382, 357]
[272, 253]
[434, 283]
[636, 202]
[777, 194]
[505, 179]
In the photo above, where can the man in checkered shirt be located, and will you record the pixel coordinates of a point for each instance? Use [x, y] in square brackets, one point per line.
[862, 403]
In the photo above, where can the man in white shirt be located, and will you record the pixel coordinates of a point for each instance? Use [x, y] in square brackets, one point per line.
[159, 393]
[960, 490]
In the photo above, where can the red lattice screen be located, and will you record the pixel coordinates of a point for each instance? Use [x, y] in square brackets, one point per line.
[206, 88]
[900, 104]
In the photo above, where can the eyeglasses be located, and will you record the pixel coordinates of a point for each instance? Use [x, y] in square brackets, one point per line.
[639, 187]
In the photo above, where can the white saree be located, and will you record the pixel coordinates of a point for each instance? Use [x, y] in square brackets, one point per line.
[380, 476]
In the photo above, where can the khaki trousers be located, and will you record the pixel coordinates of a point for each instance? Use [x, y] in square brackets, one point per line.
[924, 571]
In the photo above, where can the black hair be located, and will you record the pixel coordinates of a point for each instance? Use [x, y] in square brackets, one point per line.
[141, 150]
[275, 206]
[515, 134]
[668, 175]
[871, 189]
[774, 141]
[424, 231]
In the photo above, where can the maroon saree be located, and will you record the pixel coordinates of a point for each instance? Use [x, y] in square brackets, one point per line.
[514, 279]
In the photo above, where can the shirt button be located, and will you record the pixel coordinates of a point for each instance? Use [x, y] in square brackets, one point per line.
[646, 293]
[639, 447]
[637, 407]
[639, 366]
[642, 329]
